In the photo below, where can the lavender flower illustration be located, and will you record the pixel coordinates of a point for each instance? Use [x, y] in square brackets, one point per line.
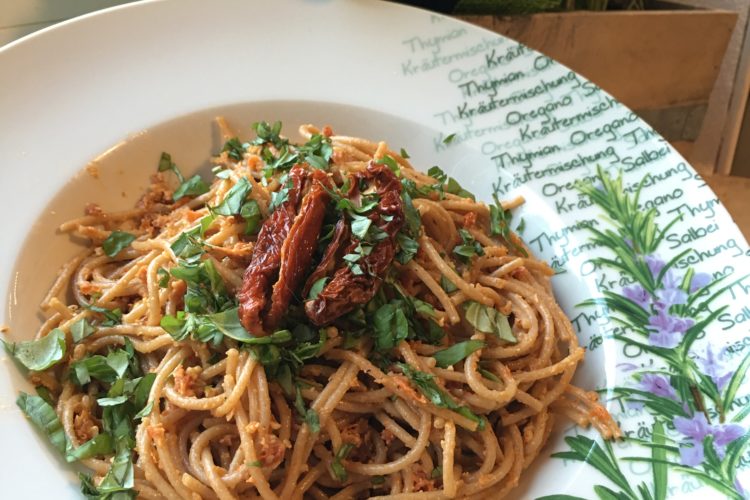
[689, 388]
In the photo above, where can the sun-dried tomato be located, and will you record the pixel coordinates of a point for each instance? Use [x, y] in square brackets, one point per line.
[332, 256]
[347, 290]
[299, 247]
[266, 259]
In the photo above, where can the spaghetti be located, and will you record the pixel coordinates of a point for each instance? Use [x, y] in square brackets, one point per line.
[193, 360]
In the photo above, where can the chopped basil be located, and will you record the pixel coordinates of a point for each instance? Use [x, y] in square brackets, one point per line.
[360, 226]
[214, 327]
[163, 275]
[145, 411]
[309, 415]
[408, 248]
[469, 246]
[449, 138]
[280, 196]
[267, 133]
[317, 151]
[437, 396]
[251, 213]
[234, 199]
[195, 186]
[489, 320]
[413, 219]
[521, 225]
[404, 154]
[44, 418]
[142, 390]
[234, 149]
[457, 352]
[165, 163]
[500, 225]
[116, 242]
[40, 354]
[112, 401]
[453, 187]
[112, 317]
[339, 472]
[316, 288]
[99, 445]
[488, 375]
[447, 284]
[389, 162]
[391, 326]
[44, 393]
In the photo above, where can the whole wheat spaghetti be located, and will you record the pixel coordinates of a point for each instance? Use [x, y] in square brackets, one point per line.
[318, 321]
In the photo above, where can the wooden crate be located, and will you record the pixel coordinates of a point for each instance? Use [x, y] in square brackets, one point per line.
[661, 63]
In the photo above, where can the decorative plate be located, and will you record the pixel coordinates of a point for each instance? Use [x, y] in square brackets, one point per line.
[651, 269]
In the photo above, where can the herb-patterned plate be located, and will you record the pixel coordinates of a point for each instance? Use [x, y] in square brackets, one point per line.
[651, 269]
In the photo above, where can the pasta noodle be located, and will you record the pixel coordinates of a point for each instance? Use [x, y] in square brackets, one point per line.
[457, 406]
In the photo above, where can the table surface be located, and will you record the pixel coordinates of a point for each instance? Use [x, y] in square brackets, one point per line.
[22, 17]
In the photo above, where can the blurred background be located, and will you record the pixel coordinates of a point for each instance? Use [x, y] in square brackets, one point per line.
[682, 65]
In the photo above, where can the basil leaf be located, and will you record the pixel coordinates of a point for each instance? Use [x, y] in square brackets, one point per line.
[413, 219]
[234, 199]
[469, 248]
[453, 187]
[437, 396]
[163, 275]
[309, 415]
[214, 326]
[449, 138]
[234, 149]
[316, 288]
[389, 162]
[112, 316]
[408, 248]
[423, 308]
[44, 393]
[456, 352]
[521, 226]
[251, 213]
[339, 472]
[391, 326]
[142, 390]
[119, 481]
[489, 375]
[313, 420]
[119, 361]
[228, 323]
[165, 163]
[360, 226]
[145, 411]
[38, 355]
[112, 401]
[317, 151]
[404, 154]
[437, 173]
[175, 325]
[82, 371]
[195, 186]
[99, 445]
[116, 242]
[500, 225]
[80, 330]
[489, 320]
[43, 416]
[447, 284]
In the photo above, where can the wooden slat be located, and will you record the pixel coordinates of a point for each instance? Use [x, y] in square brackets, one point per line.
[649, 59]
